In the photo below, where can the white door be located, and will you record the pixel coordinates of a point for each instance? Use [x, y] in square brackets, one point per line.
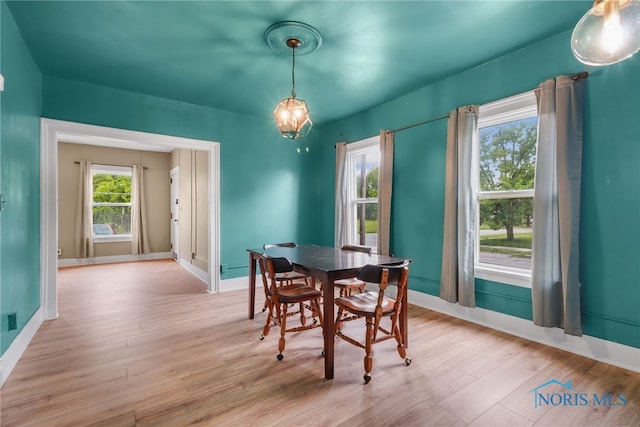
[175, 212]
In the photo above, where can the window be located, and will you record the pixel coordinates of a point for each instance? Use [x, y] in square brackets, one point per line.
[362, 166]
[111, 203]
[507, 163]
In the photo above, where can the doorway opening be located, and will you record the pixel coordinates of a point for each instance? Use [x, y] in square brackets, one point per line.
[54, 131]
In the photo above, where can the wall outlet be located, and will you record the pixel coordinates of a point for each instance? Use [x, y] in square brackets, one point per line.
[12, 321]
[59, 252]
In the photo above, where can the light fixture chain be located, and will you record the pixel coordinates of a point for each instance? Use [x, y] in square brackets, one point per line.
[293, 73]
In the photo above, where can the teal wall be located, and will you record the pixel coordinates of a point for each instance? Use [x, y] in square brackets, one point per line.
[267, 188]
[270, 192]
[19, 182]
[610, 236]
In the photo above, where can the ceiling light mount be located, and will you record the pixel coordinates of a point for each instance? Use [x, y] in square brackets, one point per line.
[294, 43]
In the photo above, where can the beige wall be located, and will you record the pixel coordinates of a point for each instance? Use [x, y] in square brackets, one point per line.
[157, 193]
[194, 206]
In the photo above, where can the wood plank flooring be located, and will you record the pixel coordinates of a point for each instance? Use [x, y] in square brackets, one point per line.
[144, 344]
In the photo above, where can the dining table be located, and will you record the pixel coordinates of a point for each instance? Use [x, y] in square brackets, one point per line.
[326, 265]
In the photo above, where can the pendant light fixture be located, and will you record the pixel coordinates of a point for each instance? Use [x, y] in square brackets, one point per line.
[608, 33]
[293, 38]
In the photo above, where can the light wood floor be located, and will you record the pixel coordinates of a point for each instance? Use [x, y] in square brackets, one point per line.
[144, 344]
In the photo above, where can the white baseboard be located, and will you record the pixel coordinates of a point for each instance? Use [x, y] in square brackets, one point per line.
[620, 355]
[69, 262]
[13, 354]
[237, 283]
[200, 274]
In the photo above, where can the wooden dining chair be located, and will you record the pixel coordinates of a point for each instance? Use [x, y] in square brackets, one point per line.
[283, 296]
[346, 286]
[374, 307]
[288, 277]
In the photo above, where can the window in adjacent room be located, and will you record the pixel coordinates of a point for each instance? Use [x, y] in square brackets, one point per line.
[362, 166]
[507, 156]
[111, 203]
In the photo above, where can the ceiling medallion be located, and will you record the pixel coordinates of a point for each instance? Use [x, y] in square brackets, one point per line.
[279, 33]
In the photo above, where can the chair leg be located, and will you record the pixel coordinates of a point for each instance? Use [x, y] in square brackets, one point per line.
[283, 328]
[267, 325]
[318, 311]
[303, 317]
[402, 351]
[368, 358]
[338, 322]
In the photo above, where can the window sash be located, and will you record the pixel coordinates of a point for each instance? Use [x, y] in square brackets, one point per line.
[505, 194]
[365, 200]
[98, 169]
[367, 147]
[111, 204]
[517, 107]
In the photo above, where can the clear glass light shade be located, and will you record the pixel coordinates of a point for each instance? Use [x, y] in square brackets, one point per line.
[292, 117]
[608, 33]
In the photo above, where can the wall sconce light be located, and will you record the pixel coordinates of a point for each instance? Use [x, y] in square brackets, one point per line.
[292, 114]
[608, 33]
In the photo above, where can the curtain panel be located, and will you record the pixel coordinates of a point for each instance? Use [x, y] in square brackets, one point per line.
[84, 212]
[460, 206]
[139, 230]
[385, 187]
[556, 211]
[342, 197]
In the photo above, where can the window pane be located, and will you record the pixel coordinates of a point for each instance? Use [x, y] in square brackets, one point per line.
[366, 224]
[111, 220]
[505, 232]
[508, 155]
[111, 188]
[366, 174]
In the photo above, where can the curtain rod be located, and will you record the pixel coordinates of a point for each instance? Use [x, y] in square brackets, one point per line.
[107, 164]
[575, 77]
[582, 75]
[433, 119]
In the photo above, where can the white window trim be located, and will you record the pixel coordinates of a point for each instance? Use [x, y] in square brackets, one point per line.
[111, 170]
[509, 109]
[355, 149]
[112, 238]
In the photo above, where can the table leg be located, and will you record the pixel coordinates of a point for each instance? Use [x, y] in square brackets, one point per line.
[329, 329]
[404, 316]
[252, 285]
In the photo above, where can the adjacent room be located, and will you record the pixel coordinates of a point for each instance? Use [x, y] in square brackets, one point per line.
[319, 213]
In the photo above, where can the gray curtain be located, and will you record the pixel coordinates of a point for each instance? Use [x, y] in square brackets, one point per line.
[556, 210]
[139, 233]
[384, 190]
[84, 212]
[342, 206]
[460, 205]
